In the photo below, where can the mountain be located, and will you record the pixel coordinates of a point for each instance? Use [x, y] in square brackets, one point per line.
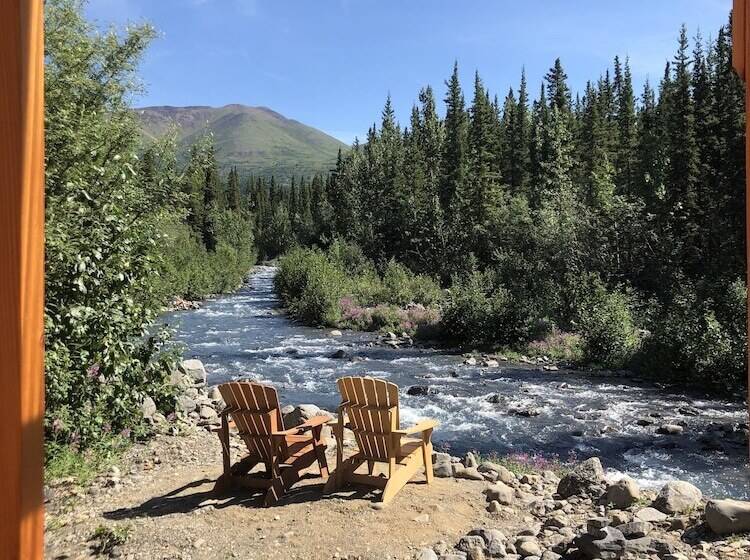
[255, 139]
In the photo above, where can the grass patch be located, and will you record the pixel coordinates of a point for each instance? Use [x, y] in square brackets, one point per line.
[65, 462]
[105, 539]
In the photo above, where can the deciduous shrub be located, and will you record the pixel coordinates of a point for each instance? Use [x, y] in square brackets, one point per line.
[606, 326]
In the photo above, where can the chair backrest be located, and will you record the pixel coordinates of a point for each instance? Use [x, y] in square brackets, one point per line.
[256, 412]
[372, 408]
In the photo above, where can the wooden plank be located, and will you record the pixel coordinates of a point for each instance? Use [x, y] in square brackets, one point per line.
[21, 277]
[745, 39]
[739, 27]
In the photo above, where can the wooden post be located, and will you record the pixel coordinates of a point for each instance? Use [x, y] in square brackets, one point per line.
[740, 58]
[21, 278]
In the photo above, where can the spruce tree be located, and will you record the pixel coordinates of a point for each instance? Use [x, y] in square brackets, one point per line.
[455, 146]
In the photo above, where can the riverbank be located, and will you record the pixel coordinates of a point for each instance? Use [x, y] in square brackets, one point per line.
[158, 503]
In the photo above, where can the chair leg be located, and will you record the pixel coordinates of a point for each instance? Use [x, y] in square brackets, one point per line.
[281, 485]
[224, 482]
[427, 455]
[341, 475]
[320, 452]
[400, 477]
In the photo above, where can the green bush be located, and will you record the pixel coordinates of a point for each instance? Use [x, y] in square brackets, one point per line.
[606, 326]
[400, 286]
[311, 286]
[478, 311]
[467, 312]
[698, 341]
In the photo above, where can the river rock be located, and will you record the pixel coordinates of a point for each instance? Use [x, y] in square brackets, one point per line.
[470, 542]
[441, 465]
[336, 332]
[490, 363]
[194, 370]
[339, 354]
[494, 540]
[420, 391]
[525, 412]
[607, 543]
[503, 474]
[208, 413]
[501, 493]
[677, 497]
[635, 529]
[185, 404]
[728, 516]
[470, 460]
[527, 548]
[670, 429]
[215, 395]
[495, 399]
[148, 407]
[300, 414]
[620, 517]
[688, 410]
[469, 473]
[426, 554]
[585, 478]
[650, 514]
[623, 493]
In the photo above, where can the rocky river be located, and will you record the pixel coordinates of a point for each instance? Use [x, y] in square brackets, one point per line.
[649, 432]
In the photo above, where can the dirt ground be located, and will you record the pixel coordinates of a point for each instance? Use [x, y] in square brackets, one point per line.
[161, 504]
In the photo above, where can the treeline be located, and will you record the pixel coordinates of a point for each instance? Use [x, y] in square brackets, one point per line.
[126, 230]
[210, 238]
[298, 213]
[616, 216]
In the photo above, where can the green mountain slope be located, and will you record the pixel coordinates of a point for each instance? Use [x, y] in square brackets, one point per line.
[255, 139]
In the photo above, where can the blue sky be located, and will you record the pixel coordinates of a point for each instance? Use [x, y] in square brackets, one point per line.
[331, 63]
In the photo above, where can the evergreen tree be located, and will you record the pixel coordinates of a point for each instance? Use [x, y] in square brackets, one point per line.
[627, 138]
[455, 146]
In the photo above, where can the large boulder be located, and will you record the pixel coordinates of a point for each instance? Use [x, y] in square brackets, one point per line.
[587, 478]
[185, 404]
[623, 493]
[300, 414]
[635, 529]
[677, 496]
[426, 554]
[494, 540]
[470, 543]
[499, 492]
[503, 474]
[194, 370]
[441, 465]
[607, 543]
[650, 515]
[148, 407]
[728, 516]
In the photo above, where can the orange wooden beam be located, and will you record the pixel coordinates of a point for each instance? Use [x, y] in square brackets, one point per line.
[741, 61]
[21, 278]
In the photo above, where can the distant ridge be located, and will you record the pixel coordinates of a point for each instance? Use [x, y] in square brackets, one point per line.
[258, 140]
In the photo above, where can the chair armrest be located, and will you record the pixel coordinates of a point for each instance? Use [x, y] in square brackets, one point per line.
[305, 426]
[422, 426]
[314, 422]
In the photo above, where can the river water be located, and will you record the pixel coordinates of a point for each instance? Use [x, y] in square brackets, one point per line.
[246, 335]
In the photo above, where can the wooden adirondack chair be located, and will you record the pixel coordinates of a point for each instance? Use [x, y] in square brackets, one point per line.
[372, 413]
[254, 410]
